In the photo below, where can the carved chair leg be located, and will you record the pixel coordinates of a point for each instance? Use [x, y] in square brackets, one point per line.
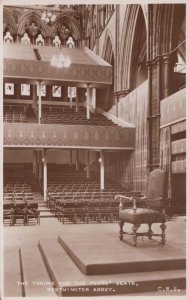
[150, 232]
[135, 228]
[121, 223]
[163, 235]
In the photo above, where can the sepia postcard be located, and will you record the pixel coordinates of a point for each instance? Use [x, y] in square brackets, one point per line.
[93, 149]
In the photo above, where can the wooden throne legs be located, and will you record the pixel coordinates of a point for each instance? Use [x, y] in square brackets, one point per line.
[163, 235]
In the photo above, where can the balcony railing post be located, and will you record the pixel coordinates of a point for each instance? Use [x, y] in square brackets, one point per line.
[88, 102]
[45, 173]
[39, 102]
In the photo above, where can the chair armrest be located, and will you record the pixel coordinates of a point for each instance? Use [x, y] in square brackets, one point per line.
[123, 197]
[157, 199]
[143, 198]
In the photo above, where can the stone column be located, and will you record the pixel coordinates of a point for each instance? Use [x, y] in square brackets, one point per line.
[167, 75]
[102, 170]
[45, 174]
[34, 163]
[149, 116]
[77, 106]
[77, 160]
[34, 105]
[88, 101]
[40, 166]
[70, 157]
[70, 89]
[93, 97]
[116, 104]
[88, 164]
[39, 103]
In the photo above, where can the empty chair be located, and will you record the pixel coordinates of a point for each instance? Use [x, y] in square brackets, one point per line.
[19, 212]
[8, 211]
[92, 212]
[153, 212]
[67, 212]
[32, 212]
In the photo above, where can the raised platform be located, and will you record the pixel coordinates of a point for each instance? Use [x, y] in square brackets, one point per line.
[98, 250]
[36, 255]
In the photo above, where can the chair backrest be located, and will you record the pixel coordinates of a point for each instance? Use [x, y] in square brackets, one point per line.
[157, 188]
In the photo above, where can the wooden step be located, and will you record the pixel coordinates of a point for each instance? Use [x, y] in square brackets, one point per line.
[70, 281]
[12, 273]
[35, 275]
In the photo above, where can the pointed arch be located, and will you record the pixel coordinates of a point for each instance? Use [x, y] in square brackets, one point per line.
[9, 22]
[70, 21]
[133, 46]
[34, 16]
[167, 28]
[108, 55]
[108, 47]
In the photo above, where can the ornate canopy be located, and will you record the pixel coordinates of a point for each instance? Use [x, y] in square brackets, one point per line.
[32, 63]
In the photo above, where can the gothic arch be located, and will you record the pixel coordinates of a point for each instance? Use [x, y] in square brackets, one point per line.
[34, 16]
[108, 55]
[133, 46]
[70, 21]
[108, 47]
[181, 38]
[168, 20]
[9, 22]
[145, 13]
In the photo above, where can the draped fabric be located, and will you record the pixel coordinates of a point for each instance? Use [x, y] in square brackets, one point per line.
[130, 169]
[165, 155]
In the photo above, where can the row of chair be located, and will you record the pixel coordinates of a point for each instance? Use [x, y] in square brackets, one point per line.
[11, 187]
[74, 118]
[25, 211]
[87, 210]
[27, 196]
[10, 117]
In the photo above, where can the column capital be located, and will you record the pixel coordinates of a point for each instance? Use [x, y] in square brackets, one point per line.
[158, 58]
[166, 58]
[169, 57]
